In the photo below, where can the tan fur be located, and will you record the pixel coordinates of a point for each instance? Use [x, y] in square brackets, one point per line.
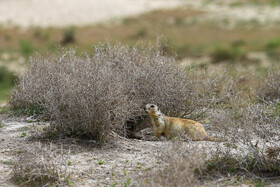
[172, 126]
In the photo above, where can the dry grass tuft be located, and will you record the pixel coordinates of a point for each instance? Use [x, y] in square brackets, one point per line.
[270, 89]
[41, 165]
[178, 165]
[273, 152]
[251, 130]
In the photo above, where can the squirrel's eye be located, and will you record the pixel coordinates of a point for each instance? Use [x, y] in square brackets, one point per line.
[152, 106]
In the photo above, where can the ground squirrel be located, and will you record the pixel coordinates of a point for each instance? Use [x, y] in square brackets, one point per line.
[172, 126]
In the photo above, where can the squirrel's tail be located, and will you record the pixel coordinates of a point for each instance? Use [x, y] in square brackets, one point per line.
[209, 138]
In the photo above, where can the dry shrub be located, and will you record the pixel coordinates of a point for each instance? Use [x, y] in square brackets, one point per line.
[178, 165]
[231, 83]
[252, 131]
[40, 165]
[270, 87]
[92, 95]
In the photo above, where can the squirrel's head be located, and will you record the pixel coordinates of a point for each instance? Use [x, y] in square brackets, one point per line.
[152, 109]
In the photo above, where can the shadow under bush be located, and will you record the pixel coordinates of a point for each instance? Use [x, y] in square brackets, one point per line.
[95, 94]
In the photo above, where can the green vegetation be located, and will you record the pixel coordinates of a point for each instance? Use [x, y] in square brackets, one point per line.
[232, 54]
[273, 47]
[68, 35]
[277, 109]
[274, 3]
[2, 125]
[7, 162]
[273, 43]
[7, 80]
[127, 183]
[23, 134]
[30, 109]
[26, 47]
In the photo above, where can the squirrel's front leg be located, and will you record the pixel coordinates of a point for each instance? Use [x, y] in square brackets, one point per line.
[158, 131]
[157, 134]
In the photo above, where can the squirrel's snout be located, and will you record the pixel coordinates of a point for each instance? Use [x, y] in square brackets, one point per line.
[145, 109]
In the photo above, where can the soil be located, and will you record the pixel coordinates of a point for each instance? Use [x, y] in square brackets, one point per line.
[121, 160]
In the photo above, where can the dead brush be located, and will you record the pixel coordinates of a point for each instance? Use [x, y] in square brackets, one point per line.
[270, 88]
[39, 165]
[92, 95]
[178, 165]
[251, 130]
[273, 152]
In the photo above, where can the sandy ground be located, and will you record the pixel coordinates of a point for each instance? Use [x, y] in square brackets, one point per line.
[122, 160]
[59, 13]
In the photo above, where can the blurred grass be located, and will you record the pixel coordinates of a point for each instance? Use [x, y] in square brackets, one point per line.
[272, 3]
[4, 93]
[26, 47]
[7, 79]
[188, 35]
